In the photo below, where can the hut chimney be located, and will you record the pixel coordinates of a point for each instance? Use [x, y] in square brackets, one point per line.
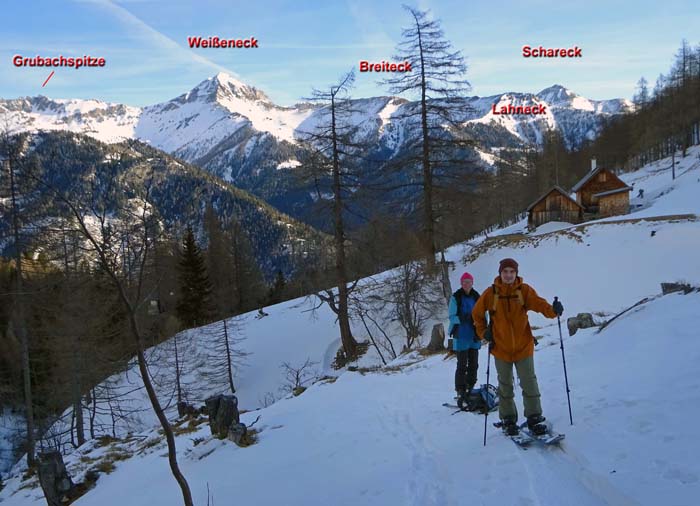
[593, 164]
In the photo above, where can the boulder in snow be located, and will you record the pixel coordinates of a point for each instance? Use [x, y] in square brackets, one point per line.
[667, 288]
[223, 413]
[580, 321]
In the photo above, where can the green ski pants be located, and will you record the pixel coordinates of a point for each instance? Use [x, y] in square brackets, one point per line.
[528, 382]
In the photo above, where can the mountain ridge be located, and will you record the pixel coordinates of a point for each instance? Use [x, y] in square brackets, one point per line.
[236, 132]
[230, 94]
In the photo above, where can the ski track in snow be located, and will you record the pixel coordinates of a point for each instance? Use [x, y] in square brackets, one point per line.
[429, 482]
[552, 472]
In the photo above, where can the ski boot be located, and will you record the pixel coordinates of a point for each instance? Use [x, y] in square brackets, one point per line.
[468, 398]
[536, 426]
[510, 427]
[461, 399]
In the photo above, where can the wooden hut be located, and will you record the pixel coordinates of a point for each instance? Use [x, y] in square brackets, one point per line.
[613, 202]
[554, 205]
[601, 191]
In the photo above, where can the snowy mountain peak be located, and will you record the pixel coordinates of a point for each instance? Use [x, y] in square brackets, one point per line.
[223, 86]
[557, 95]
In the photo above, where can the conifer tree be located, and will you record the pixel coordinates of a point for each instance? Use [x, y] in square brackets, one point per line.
[330, 164]
[438, 151]
[194, 306]
[278, 288]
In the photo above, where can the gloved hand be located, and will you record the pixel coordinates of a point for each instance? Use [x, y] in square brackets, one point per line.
[455, 331]
[488, 335]
[558, 308]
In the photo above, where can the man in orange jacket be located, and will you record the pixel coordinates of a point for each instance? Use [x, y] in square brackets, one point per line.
[511, 341]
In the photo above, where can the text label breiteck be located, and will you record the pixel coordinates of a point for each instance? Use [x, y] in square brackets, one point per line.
[385, 66]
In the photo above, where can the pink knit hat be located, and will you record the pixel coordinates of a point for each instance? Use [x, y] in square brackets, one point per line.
[466, 275]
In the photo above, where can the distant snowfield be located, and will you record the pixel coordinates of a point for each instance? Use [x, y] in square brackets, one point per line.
[383, 437]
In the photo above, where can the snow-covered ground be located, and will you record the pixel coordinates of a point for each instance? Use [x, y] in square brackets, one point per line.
[11, 428]
[382, 437]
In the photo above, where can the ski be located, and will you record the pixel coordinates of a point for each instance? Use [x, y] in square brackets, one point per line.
[523, 440]
[525, 437]
[548, 438]
[467, 410]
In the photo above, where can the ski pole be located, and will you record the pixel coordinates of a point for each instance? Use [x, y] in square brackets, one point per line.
[563, 358]
[488, 370]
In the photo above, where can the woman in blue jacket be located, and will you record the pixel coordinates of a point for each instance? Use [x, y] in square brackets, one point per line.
[465, 342]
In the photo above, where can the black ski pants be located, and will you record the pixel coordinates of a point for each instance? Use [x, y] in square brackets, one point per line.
[467, 365]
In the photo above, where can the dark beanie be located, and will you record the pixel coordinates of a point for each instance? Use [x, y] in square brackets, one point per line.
[508, 262]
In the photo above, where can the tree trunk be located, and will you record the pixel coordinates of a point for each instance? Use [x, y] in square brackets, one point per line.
[673, 162]
[177, 372]
[93, 414]
[160, 414]
[20, 324]
[138, 338]
[79, 421]
[77, 368]
[346, 337]
[229, 369]
[445, 273]
[54, 479]
[437, 338]
[429, 226]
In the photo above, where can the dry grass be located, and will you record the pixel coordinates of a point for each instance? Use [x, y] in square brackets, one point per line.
[117, 455]
[249, 439]
[387, 369]
[188, 426]
[425, 352]
[341, 361]
[102, 441]
[86, 459]
[104, 467]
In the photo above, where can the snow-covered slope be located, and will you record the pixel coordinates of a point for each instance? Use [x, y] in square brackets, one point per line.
[383, 438]
[103, 121]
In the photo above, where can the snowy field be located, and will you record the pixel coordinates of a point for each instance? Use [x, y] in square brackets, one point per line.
[383, 438]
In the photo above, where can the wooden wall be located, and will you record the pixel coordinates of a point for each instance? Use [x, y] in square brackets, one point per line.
[603, 181]
[554, 207]
[612, 205]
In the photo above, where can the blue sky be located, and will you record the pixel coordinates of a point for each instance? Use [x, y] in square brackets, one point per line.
[310, 43]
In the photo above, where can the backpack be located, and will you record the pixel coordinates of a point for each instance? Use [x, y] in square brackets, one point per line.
[482, 399]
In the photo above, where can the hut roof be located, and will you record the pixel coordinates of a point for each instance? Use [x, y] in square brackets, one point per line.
[553, 188]
[612, 192]
[585, 179]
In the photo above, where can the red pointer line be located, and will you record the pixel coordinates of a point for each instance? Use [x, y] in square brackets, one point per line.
[47, 79]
